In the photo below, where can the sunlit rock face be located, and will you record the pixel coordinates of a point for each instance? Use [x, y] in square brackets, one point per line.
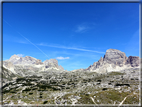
[51, 63]
[116, 57]
[15, 59]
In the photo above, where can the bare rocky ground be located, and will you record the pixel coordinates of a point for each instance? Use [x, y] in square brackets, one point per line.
[74, 87]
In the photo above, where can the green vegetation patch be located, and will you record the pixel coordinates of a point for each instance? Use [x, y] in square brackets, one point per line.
[109, 96]
[132, 99]
[67, 95]
[20, 79]
[116, 73]
[85, 99]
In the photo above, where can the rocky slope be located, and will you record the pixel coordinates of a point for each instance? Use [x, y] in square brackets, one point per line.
[69, 88]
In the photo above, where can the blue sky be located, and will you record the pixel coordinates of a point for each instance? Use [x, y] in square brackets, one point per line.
[76, 34]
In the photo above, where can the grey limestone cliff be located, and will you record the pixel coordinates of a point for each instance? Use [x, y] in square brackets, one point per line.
[114, 60]
[116, 57]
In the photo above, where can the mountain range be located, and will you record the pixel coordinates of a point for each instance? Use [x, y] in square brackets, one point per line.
[113, 60]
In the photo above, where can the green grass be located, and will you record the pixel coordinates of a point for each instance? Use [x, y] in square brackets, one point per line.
[85, 99]
[134, 99]
[115, 73]
[67, 95]
[109, 96]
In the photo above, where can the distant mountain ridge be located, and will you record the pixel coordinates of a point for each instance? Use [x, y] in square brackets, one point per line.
[113, 60]
[27, 65]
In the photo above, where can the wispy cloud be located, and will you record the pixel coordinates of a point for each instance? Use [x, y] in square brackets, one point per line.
[20, 55]
[84, 27]
[62, 58]
[73, 48]
[81, 28]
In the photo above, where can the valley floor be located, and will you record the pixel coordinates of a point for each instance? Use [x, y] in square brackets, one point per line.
[71, 88]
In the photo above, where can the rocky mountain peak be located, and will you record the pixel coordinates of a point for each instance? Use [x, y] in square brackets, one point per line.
[114, 56]
[112, 50]
[101, 59]
[14, 57]
[52, 63]
[28, 58]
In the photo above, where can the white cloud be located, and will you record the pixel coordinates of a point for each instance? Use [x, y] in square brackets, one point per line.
[20, 55]
[62, 58]
[81, 28]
